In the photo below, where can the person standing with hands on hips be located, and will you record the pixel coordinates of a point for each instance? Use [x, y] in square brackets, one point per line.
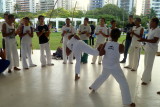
[84, 32]
[43, 34]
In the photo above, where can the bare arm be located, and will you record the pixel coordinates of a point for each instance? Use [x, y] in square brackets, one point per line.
[121, 48]
[154, 40]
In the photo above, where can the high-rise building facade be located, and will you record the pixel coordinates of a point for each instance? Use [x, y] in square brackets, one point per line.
[128, 5]
[93, 4]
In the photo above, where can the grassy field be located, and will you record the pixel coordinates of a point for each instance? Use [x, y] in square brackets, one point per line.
[55, 39]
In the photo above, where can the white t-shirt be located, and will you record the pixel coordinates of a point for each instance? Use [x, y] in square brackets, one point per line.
[9, 29]
[83, 28]
[100, 37]
[112, 55]
[135, 39]
[26, 38]
[70, 30]
[153, 33]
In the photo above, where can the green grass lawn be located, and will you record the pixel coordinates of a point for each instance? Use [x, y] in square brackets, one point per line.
[55, 39]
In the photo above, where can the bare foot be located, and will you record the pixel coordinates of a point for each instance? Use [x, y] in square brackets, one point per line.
[9, 71]
[77, 77]
[132, 105]
[133, 70]
[127, 67]
[92, 63]
[143, 83]
[99, 63]
[51, 64]
[16, 69]
[43, 65]
[64, 62]
[26, 68]
[92, 89]
[71, 62]
[158, 92]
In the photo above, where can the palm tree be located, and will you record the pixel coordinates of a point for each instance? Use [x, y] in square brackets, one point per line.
[17, 7]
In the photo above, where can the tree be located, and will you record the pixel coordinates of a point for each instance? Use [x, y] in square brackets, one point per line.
[133, 12]
[17, 8]
[152, 13]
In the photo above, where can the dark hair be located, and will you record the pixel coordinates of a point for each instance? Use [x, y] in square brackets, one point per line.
[40, 16]
[113, 21]
[67, 19]
[86, 19]
[5, 14]
[115, 33]
[27, 18]
[103, 19]
[10, 16]
[138, 19]
[130, 16]
[156, 20]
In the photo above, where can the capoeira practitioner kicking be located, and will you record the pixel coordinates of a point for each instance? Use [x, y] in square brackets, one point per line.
[9, 33]
[111, 51]
[151, 48]
[43, 34]
[135, 49]
[102, 34]
[67, 30]
[78, 46]
[26, 43]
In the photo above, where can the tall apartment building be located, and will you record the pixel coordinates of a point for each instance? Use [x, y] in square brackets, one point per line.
[128, 5]
[93, 4]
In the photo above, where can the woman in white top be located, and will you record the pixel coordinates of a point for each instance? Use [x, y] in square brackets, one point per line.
[101, 34]
[151, 48]
[9, 33]
[135, 49]
[111, 51]
[26, 44]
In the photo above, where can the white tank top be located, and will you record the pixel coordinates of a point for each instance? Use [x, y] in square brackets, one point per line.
[9, 29]
[137, 31]
[112, 55]
[26, 38]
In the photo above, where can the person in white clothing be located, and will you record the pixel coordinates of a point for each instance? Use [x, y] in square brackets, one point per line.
[151, 48]
[101, 33]
[111, 51]
[78, 46]
[8, 31]
[3, 39]
[67, 30]
[84, 32]
[135, 49]
[26, 43]
[43, 34]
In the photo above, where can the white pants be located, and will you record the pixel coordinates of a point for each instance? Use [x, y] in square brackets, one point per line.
[26, 53]
[117, 73]
[45, 59]
[95, 57]
[134, 56]
[148, 64]
[11, 52]
[77, 51]
[70, 57]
